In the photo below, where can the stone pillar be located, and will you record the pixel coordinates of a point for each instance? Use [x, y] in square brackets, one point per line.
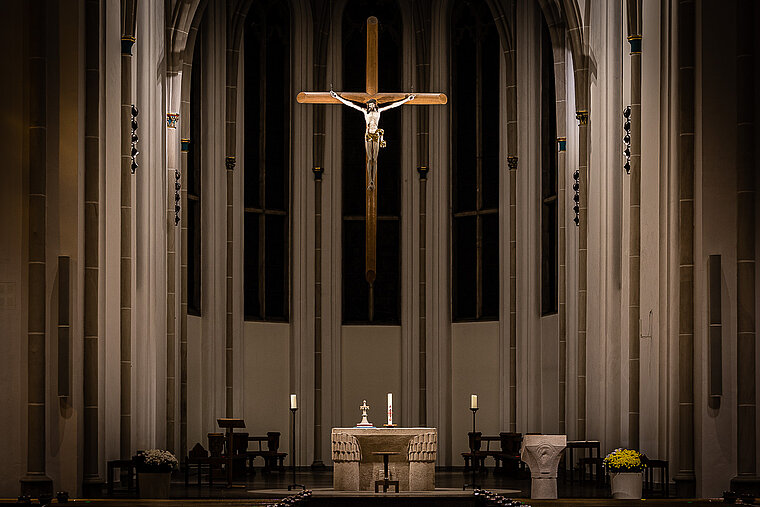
[423, 171]
[422, 13]
[346, 456]
[422, 454]
[634, 266]
[685, 477]
[512, 165]
[90, 378]
[322, 17]
[36, 481]
[317, 460]
[746, 416]
[542, 453]
[125, 440]
[583, 137]
[233, 55]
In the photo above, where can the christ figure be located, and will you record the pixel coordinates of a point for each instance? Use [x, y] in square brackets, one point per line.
[373, 136]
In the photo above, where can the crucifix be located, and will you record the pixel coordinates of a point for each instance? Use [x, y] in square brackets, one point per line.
[370, 103]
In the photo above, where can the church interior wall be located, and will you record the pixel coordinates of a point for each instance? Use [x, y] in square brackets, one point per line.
[653, 385]
[715, 234]
[13, 206]
[271, 360]
[474, 348]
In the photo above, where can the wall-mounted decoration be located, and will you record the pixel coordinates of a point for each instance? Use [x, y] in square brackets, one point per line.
[577, 197]
[229, 163]
[562, 144]
[135, 138]
[582, 117]
[627, 139]
[171, 120]
[185, 144]
[177, 188]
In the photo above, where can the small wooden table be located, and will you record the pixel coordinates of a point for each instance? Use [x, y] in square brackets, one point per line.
[386, 478]
[230, 425]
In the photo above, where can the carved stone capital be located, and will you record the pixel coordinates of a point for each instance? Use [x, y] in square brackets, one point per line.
[345, 447]
[582, 117]
[229, 163]
[542, 454]
[423, 447]
[512, 162]
[318, 172]
[423, 172]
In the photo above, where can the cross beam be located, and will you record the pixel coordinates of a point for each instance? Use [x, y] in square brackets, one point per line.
[371, 92]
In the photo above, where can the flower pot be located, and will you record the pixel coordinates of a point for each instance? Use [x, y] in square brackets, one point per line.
[154, 485]
[626, 484]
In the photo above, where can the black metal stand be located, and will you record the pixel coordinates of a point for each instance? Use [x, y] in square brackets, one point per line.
[293, 453]
[473, 459]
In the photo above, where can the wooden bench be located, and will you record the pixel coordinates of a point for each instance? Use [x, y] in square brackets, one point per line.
[273, 460]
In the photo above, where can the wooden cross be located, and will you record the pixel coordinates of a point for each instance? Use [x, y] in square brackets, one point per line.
[370, 93]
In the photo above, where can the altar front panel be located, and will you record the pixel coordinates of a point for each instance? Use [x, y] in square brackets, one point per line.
[357, 468]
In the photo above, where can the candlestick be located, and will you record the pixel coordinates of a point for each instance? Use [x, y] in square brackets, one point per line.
[293, 410]
[474, 401]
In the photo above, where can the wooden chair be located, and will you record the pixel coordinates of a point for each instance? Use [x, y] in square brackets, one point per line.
[475, 458]
[121, 464]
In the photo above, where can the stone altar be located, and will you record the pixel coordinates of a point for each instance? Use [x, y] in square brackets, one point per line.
[355, 468]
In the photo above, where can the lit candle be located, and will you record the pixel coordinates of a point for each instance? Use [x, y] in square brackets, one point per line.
[390, 409]
[293, 404]
[474, 401]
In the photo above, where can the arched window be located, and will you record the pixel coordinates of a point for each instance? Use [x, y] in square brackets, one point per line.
[193, 181]
[549, 219]
[475, 64]
[267, 162]
[382, 302]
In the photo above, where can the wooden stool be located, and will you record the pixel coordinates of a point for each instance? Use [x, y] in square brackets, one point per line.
[386, 478]
[595, 466]
[121, 464]
[651, 465]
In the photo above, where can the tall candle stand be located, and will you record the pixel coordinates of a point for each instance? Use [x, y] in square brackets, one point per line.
[293, 451]
[473, 459]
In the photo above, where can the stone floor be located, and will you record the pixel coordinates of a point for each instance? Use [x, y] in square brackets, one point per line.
[261, 485]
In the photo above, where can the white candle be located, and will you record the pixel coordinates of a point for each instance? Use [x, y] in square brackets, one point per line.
[474, 401]
[390, 409]
[293, 404]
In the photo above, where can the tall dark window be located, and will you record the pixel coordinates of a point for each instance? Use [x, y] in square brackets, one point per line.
[193, 183]
[475, 64]
[381, 303]
[267, 161]
[549, 220]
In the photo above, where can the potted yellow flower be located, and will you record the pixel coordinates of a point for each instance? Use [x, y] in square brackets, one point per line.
[625, 467]
[154, 471]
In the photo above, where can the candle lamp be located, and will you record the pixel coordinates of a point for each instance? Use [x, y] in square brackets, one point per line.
[473, 458]
[293, 409]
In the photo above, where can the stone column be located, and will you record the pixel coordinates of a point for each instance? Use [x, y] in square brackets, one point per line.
[634, 266]
[321, 9]
[583, 136]
[36, 481]
[422, 455]
[685, 477]
[233, 55]
[542, 454]
[346, 456]
[422, 13]
[125, 440]
[90, 378]
[511, 83]
[317, 461]
[746, 416]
